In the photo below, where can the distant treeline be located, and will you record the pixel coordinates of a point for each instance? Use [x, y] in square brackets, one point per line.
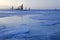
[30, 9]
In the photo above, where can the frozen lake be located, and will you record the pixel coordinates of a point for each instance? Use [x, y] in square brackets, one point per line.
[30, 25]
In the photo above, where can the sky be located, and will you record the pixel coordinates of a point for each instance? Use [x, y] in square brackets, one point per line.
[34, 4]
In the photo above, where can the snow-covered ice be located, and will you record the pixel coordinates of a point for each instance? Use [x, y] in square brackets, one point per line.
[30, 25]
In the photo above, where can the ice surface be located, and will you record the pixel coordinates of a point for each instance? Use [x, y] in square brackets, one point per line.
[11, 26]
[9, 32]
[30, 25]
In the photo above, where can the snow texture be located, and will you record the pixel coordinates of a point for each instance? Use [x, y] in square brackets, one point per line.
[30, 25]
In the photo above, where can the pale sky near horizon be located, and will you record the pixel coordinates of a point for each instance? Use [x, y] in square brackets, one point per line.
[35, 4]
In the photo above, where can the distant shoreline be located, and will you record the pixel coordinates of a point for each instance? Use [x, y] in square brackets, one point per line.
[31, 10]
